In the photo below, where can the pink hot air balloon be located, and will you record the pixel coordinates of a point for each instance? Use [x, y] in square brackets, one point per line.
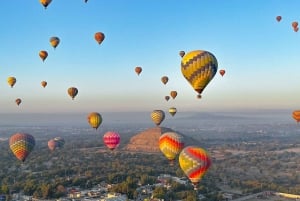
[111, 139]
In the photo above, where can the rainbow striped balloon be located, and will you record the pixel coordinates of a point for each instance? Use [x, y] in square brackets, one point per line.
[199, 68]
[111, 139]
[21, 144]
[170, 144]
[194, 161]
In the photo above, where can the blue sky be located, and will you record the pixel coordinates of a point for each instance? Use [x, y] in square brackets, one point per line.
[259, 54]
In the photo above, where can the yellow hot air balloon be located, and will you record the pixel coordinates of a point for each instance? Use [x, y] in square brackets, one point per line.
[54, 41]
[18, 101]
[94, 119]
[164, 79]
[43, 54]
[157, 116]
[194, 162]
[45, 3]
[99, 37]
[170, 144]
[72, 91]
[44, 84]
[199, 68]
[11, 81]
[296, 115]
[172, 111]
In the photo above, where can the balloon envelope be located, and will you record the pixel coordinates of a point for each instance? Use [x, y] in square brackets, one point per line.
[182, 53]
[11, 81]
[278, 18]
[173, 94]
[296, 115]
[45, 3]
[43, 54]
[54, 41]
[172, 111]
[167, 98]
[72, 91]
[44, 84]
[21, 144]
[194, 161]
[164, 79]
[199, 68]
[52, 144]
[99, 37]
[18, 101]
[94, 119]
[111, 139]
[157, 116]
[170, 144]
[138, 70]
[222, 72]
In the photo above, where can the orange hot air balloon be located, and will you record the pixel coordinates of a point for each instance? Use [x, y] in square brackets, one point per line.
[138, 70]
[182, 53]
[45, 3]
[99, 37]
[94, 119]
[167, 98]
[43, 55]
[72, 91]
[18, 101]
[54, 41]
[170, 144]
[222, 72]
[194, 162]
[278, 18]
[11, 81]
[173, 94]
[44, 84]
[21, 144]
[164, 79]
[294, 24]
[157, 116]
[296, 115]
[111, 139]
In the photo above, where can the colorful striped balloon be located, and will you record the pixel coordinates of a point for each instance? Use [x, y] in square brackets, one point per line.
[170, 144]
[157, 116]
[194, 161]
[21, 144]
[199, 68]
[111, 139]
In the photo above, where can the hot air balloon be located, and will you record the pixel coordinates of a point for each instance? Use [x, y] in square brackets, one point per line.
[296, 115]
[72, 91]
[18, 101]
[138, 70]
[222, 72]
[173, 94]
[43, 54]
[94, 119]
[60, 142]
[164, 79]
[296, 29]
[172, 111]
[194, 161]
[21, 144]
[111, 139]
[157, 116]
[278, 18]
[171, 144]
[85, 1]
[199, 68]
[44, 84]
[45, 3]
[295, 24]
[54, 41]
[167, 98]
[52, 144]
[99, 37]
[182, 53]
[11, 81]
